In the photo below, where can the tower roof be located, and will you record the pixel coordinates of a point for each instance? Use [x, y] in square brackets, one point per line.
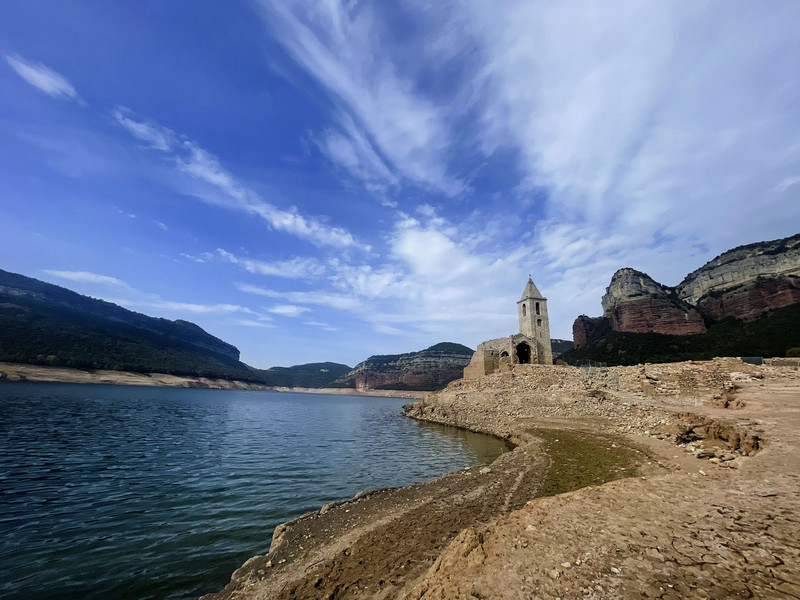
[531, 291]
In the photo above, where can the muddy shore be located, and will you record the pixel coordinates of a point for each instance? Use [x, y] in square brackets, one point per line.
[22, 372]
[656, 481]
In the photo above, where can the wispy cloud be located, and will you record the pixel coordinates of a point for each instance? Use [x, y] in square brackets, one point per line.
[225, 189]
[288, 310]
[43, 78]
[349, 147]
[185, 307]
[253, 323]
[295, 268]
[636, 117]
[87, 277]
[318, 297]
[384, 120]
[154, 135]
[320, 325]
[424, 286]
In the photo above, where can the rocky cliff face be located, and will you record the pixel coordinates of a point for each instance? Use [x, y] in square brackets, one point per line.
[636, 303]
[428, 369]
[746, 281]
[585, 328]
[743, 283]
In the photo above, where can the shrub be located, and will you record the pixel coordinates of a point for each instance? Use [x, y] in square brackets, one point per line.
[793, 351]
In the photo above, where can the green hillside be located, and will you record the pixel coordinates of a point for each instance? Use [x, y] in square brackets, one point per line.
[45, 324]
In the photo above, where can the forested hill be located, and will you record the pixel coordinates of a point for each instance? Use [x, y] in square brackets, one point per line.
[311, 375]
[41, 323]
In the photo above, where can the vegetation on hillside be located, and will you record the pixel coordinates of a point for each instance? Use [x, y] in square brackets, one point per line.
[771, 335]
[45, 324]
[311, 375]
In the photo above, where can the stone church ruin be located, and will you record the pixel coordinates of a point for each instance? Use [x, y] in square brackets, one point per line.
[530, 346]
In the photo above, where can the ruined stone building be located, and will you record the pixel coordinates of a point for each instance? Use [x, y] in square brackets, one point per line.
[530, 346]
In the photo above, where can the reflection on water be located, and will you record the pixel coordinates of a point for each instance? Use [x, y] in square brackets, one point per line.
[132, 492]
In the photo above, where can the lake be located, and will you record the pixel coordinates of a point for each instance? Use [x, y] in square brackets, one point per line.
[121, 492]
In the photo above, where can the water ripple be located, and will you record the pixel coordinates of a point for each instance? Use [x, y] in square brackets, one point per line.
[127, 492]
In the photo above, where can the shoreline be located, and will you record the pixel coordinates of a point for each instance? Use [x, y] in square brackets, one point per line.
[734, 425]
[19, 372]
[383, 540]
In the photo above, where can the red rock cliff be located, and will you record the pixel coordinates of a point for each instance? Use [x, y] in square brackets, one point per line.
[635, 303]
[584, 328]
[746, 281]
[742, 283]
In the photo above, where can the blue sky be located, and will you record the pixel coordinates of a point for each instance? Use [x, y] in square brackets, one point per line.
[321, 180]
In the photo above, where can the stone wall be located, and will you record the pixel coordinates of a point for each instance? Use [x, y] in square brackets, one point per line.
[491, 355]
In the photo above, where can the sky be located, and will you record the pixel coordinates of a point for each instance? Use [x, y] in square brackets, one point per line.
[322, 180]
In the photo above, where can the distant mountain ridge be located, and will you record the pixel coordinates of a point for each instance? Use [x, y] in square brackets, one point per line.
[732, 300]
[429, 369]
[42, 323]
[45, 324]
[310, 375]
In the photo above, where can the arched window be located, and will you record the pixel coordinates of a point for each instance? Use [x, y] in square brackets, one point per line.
[523, 310]
[537, 308]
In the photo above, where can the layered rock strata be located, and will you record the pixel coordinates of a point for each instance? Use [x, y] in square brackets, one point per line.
[635, 302]
[428, 369]
[742, 283]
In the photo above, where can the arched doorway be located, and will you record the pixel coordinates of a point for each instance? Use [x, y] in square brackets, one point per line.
[523, 353]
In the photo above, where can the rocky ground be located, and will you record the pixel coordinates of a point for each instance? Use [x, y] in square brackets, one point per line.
[656, 481]
[722, 522]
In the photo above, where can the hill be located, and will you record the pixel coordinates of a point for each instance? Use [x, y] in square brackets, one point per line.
[45, 324]
[429, 369]
[311, 375]
[560, 346]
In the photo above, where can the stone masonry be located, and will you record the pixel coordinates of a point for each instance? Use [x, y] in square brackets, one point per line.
[530, 346]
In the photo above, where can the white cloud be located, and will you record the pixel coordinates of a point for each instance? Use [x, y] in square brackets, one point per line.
[154, 135]
[185, 307]
[320, 325]
[786, 183]
[193, 258]
[220, 187]
[662, 117]
[87, 277]
[43, 78]
[253, 323]
[288, 310]
[295, 268]
[349, 148]
[325, 298]
[380, 108]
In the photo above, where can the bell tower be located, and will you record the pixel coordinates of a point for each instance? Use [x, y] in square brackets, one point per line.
[534, 322]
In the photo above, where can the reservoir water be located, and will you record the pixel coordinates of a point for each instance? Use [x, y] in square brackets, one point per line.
[121, 492]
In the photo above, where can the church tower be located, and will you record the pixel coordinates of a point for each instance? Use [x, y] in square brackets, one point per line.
[534, 323]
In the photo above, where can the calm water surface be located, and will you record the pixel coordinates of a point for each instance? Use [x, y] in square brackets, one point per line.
[134, 492]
